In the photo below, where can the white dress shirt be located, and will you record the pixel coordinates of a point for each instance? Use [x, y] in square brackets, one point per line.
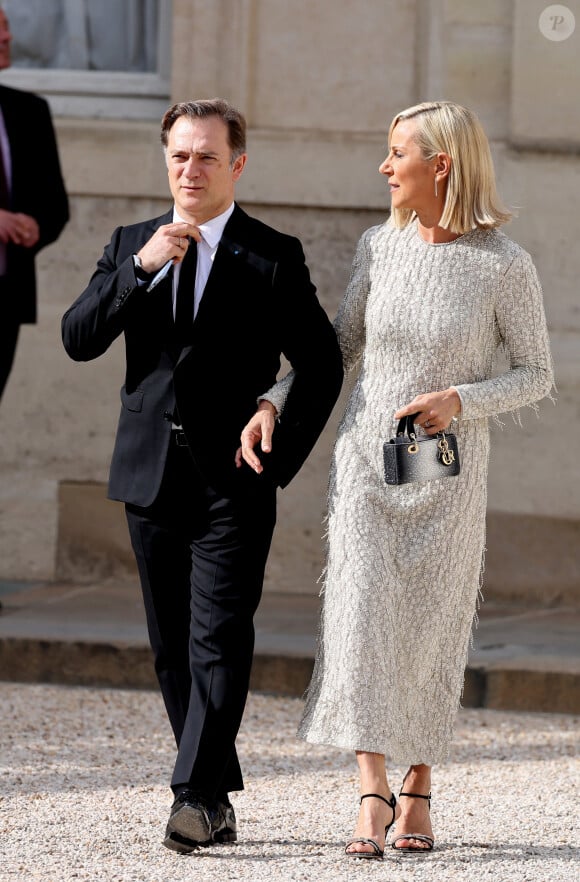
[211, 232]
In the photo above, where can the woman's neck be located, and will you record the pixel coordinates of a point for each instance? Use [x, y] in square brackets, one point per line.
[431, 232]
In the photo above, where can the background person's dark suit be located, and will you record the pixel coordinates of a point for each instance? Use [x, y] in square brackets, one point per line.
[36, 188]
[185, 510]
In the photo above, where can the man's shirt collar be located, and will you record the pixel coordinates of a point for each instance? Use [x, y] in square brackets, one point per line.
[212, 230]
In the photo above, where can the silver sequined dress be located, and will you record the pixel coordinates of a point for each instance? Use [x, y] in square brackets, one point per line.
[404, 563]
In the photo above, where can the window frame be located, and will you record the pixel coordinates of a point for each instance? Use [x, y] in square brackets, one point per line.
[98, 94]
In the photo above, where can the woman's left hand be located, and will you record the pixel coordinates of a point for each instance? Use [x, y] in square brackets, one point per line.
[435, 409]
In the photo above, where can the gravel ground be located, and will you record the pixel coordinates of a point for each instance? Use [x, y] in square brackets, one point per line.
[84, 797]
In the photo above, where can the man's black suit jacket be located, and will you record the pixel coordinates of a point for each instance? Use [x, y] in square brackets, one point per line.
[259, 302]
[37, 189]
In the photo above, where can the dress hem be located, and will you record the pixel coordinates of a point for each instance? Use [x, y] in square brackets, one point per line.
[395, 756]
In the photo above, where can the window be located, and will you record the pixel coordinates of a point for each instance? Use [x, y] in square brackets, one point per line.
[93, 58]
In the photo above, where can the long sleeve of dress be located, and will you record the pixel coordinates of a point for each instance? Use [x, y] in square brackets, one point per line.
[349, 324]
[522, 331]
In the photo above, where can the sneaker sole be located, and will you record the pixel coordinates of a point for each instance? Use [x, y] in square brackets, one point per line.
[181, 844]
[190, 824]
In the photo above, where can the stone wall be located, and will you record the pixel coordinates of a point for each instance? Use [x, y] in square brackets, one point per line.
[319, 90]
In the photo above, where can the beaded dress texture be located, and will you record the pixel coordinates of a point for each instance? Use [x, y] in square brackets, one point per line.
[404, 562]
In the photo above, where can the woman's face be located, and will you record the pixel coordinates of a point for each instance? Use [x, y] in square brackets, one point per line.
[411, 177]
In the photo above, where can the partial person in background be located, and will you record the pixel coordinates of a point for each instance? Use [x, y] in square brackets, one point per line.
[33, 203]
[433, 293]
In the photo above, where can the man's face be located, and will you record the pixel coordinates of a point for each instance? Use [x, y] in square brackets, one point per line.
[5, 39]
[201, 175]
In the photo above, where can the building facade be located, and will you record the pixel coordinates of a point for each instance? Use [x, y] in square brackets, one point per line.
[318, 85]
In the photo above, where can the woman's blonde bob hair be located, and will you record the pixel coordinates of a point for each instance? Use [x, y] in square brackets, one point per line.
[471, 198]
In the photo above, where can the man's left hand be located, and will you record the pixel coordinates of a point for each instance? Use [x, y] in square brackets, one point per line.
[259, 428]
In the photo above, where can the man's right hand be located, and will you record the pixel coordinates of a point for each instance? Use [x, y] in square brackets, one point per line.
[169, 242]
[259, 428]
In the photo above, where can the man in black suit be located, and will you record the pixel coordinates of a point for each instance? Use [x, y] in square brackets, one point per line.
[202, 345]
[33, 203]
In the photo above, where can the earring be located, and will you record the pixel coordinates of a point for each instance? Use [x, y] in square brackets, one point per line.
[435, 186]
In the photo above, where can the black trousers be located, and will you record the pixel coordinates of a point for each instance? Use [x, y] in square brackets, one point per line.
[9, 330]
[201, 559]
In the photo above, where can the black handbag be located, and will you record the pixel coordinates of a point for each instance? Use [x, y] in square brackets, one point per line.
[409, 458]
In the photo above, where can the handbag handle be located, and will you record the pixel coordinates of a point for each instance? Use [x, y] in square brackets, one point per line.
[407, 425]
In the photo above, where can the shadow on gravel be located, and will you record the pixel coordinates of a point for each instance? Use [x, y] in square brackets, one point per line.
[449, 854]
[446, 856]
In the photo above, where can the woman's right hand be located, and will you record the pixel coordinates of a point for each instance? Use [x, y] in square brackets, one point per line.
[435, 410]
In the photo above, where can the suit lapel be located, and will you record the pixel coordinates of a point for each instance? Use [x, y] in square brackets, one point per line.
[159, 301]
[236, 269]
[220, 285]
[230, 265]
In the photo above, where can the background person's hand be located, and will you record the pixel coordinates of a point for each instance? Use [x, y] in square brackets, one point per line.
[21, 229]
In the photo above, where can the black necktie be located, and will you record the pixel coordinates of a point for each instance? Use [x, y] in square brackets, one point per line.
[185, 295]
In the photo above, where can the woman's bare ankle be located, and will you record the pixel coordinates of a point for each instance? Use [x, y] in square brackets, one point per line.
[417, 780]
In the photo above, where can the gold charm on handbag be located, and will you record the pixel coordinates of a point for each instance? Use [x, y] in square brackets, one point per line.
[445, 453]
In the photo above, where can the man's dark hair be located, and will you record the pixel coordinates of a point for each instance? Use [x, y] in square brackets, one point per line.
[233, 119]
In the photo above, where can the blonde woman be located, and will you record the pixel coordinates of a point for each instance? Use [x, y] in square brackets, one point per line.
[433, 293]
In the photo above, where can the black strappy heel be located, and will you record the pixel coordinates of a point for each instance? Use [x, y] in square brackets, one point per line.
[420, 837]
[377, 853]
